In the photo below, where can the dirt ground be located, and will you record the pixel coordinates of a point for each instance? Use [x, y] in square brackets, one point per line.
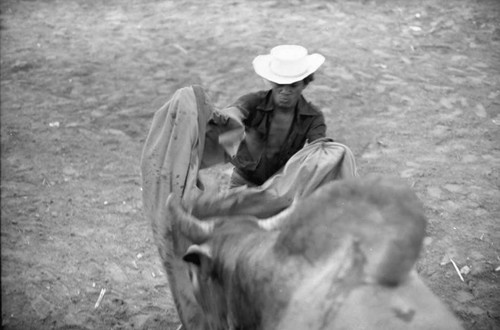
[412, 87]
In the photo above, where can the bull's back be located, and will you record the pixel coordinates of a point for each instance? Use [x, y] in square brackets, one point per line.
[411, 305]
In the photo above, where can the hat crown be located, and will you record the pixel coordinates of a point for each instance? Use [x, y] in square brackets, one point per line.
[288, 60]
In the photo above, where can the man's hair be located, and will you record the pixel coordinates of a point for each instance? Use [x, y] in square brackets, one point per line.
[308, 79]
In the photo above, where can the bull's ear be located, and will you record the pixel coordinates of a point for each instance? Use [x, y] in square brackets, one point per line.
[200, 257]
[195, 253]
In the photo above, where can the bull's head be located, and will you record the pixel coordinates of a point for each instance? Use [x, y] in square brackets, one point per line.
[341, 257]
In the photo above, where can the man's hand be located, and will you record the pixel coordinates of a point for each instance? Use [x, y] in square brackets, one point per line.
[231, 128]
[219, 118]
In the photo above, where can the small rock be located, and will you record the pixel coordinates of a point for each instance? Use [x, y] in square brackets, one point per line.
[465, 270]
[434, 192]
[494, 95]
[445, 260]
[125, 208]
[42, 307]
[440, 130]
[408, 173]
[446, 102]
[480, 111]
[371, 155]
[474, 310]
[463, 296]
[380, 88]
[451, 206]
[69, 171]
[454, 188]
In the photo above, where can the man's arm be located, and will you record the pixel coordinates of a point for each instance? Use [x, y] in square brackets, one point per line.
[231, 121]
[239, 110]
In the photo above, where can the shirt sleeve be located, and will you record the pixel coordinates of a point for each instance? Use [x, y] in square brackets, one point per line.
[245, 105]
[317, 129]
[239, 110]
[233, 128]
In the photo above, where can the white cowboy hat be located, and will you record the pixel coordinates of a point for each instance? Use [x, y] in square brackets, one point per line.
[287, 64]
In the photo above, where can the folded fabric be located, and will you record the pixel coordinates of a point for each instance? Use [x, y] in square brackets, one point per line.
[317, 163]
[169, 164]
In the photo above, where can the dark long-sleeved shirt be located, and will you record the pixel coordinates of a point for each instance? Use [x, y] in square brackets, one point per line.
[257, 111]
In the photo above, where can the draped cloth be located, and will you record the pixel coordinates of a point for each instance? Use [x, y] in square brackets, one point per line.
[181, 141]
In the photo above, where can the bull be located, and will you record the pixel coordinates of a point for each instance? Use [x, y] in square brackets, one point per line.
[341, 258]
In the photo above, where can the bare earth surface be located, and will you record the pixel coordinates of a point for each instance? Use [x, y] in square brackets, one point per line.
[412, 87]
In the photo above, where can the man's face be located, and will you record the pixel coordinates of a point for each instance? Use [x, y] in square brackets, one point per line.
[287, 96]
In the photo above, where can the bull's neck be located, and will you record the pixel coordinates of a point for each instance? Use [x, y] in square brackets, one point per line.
[251, 271]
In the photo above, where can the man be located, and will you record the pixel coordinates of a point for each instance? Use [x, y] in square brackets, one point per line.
[278, 122]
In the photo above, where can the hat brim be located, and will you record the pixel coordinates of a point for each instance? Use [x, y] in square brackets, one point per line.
[262, 66]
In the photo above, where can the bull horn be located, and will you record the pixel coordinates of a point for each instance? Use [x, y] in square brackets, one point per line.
[193, 228]
[277, 221]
